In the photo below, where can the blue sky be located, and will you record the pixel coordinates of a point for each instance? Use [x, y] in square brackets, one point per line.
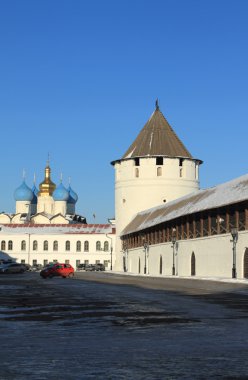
[79, 80]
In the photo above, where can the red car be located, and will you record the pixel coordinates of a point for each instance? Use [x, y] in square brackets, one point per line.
[63, 270]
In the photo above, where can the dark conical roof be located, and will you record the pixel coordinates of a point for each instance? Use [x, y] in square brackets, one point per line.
[157, 138]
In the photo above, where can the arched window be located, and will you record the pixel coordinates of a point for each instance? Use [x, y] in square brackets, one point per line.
[78, 246]
[98, 246]
[160, 265]
[159, 171]
[136, 172]
[55, 245]
[3, 245]
[67, 245]
[86, 246]
[23, 245]
[106, 246]
[10, 245]
[193, 264]
[35, 245]
[246, 263]
[45, 245]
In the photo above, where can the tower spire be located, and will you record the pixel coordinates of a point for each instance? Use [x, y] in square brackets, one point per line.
[156, 104]
[48, 159]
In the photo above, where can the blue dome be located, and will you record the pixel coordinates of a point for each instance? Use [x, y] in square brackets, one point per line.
[23, 193]
[35, 193]
[72, 196]
[60, 193]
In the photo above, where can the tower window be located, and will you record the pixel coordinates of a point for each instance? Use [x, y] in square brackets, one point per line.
[136, 172]
[137, 162]
[159, 171]
[181, 172]
[159, 161]
[180, 161]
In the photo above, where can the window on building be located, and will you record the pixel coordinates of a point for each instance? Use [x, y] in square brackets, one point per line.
[159, 161]
[136, 172]
[78, 246]
[106, 263]
[45, 245]
[67, 261]
[22, 261]
[10, 245]
[45, 262]
[77, 263]
[97, 261]
[137, 162]
[106, 246]
[86, 261]
[23, 245]
[180, 172]
[55, 245]
[3, 245]
[35, 245]
[159, 171]
[55, 261]
[34, 262]
[180, 161]
[67, 245]
[98, 246]
[86, 246]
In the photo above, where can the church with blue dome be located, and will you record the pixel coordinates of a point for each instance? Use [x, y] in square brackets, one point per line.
[50, 204]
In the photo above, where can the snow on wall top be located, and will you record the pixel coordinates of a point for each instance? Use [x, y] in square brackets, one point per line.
[52, 229]
[225, 194]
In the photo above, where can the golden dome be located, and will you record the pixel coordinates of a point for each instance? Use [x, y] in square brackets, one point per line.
[47, 187]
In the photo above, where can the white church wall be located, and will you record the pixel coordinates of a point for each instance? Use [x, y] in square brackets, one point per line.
[22, 207]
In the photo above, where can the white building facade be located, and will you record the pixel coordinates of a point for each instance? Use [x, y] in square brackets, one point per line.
[73, 244]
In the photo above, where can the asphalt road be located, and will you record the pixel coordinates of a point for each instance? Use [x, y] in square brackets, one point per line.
[110, 326]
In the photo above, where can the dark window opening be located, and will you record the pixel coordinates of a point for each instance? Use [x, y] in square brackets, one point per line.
[180, 161]
[137, 161]
[159, 161]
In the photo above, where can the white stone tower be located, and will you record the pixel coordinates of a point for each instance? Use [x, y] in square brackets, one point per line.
[156, 168]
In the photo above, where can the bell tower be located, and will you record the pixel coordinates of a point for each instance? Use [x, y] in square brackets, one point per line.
[46, 189]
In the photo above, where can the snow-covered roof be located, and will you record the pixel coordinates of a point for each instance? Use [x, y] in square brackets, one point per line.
[227, 193]
[55, 229]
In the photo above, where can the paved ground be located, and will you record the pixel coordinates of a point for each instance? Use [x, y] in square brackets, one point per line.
[110, 326]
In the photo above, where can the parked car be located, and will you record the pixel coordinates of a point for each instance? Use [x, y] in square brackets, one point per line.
[99, 267]
[36, 268]
[90, 267]
[12, 268]
[81, 267]
[57, 269]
